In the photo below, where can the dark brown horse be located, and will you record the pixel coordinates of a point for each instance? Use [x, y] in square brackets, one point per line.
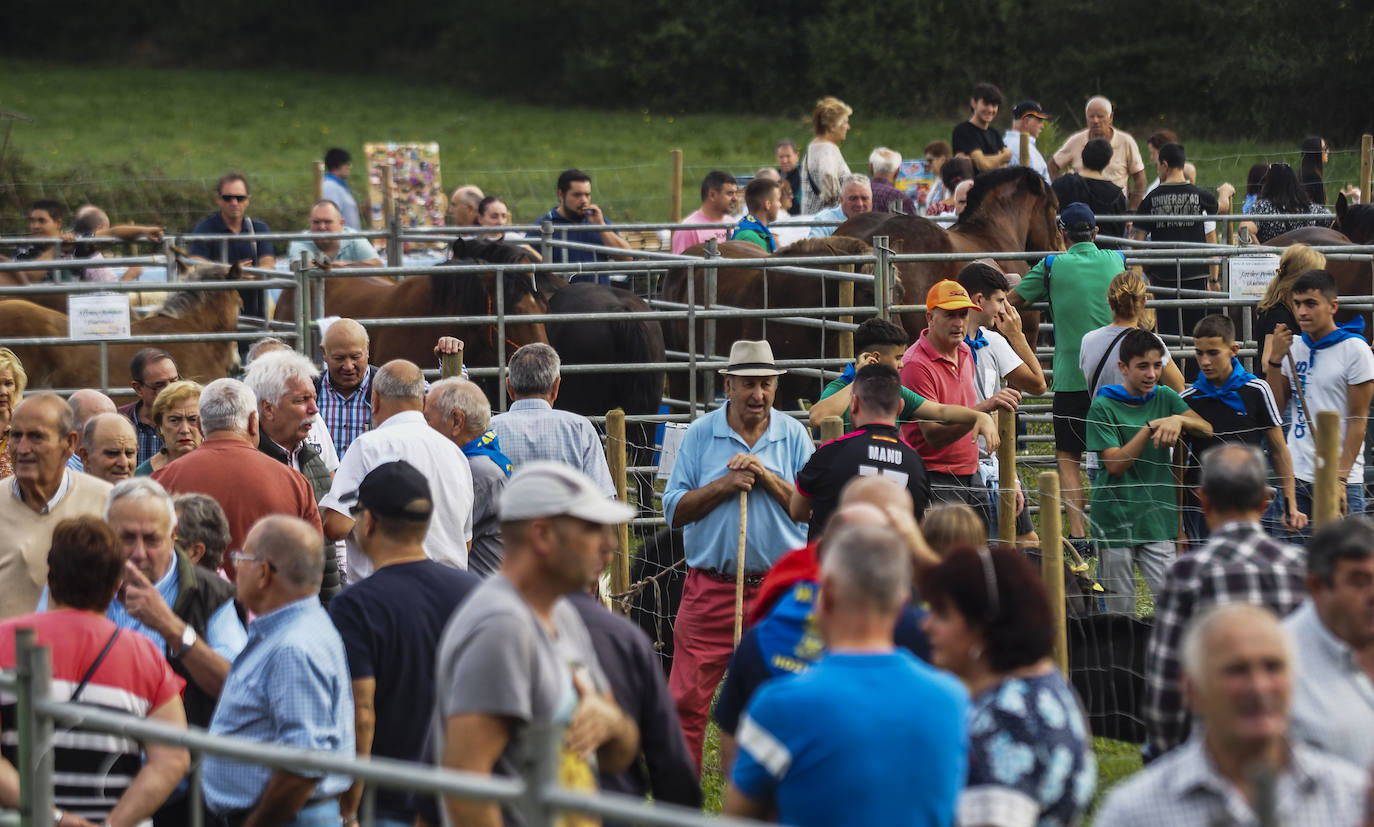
[465, 294]
[1008, 209]
[1356, 221]
[184, 312]
[745, 287]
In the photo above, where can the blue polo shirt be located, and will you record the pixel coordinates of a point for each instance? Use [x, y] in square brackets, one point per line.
[711, 542]
[563, 254]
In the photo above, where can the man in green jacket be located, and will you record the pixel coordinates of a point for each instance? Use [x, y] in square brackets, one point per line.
[1075, 284]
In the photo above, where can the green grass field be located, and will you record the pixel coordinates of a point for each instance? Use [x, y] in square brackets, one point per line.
[128, 138]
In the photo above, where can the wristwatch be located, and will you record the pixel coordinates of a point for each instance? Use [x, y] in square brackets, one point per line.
[188, 639]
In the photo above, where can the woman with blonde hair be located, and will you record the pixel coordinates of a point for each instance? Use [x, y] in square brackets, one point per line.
[176, 414]
[1276, 306]
[1127, 295]
[953, 525]
[13, 379]
[824, 167]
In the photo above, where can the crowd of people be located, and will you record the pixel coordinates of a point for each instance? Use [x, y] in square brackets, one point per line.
[339, 556]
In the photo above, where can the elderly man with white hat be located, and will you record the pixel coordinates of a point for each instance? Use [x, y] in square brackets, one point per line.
[738, 450]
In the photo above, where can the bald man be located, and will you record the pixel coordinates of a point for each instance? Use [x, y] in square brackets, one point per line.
[85, 404]
[462, 207]
[109, 447]
[1126, 169]
[398, 399]
[44, 493]
[344, 390]
[1238, 681]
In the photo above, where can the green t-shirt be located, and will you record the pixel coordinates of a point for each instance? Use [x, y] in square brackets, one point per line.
[1140, 506]
[1078, 303]
[911, 400]
[751, 236]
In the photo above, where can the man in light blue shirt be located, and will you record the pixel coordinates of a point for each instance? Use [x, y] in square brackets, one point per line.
[336, 252]
[533, 430]
[338, 164]
[290, 686]
[1333, 695]
[740, 450]
[856, 198]
[1027, 118]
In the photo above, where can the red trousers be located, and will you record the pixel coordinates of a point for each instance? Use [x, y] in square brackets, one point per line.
[703, 640]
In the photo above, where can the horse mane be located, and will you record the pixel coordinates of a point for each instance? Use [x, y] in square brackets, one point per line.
[831, 245]
[466, 293]
[987, 183]
[182, 302]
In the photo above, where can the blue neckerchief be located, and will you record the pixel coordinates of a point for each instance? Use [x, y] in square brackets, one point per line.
[749, 222]
[976, 344]
[1229, 392]
[487, 445]
[337, 178]
[1353, 329]
[1119, 393]
[849, 372]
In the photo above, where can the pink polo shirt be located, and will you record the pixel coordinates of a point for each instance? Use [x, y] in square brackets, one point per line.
[939, 379]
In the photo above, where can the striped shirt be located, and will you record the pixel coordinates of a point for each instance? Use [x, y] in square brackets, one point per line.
[346, 416]
[532, 430]
[91, 770]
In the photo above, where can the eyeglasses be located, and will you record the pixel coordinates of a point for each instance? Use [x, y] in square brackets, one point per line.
[239, 198]
[245, 557]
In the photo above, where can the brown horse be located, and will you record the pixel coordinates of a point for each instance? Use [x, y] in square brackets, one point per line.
[1354, 220]
[1008, 209]
[466, 294]
[62, 366]
[745, 287]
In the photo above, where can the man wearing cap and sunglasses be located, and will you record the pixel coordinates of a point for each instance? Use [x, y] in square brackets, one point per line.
[740, 448]
[232, 192]
[517, 658]
[1075, 283]
[1028, 118]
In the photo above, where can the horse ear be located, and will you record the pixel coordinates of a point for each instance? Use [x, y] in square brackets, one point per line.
[235, 272]
[1341, 209]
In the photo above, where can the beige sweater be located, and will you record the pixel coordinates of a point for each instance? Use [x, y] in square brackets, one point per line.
[25, 537]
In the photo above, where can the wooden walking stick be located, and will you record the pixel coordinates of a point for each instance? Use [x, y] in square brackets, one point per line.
[739, 566]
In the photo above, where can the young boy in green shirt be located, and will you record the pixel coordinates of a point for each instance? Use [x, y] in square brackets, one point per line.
[1134, 513]
[878, 341]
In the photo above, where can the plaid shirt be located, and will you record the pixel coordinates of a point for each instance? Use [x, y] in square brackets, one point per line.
[347, 417]
[1184, 788]
[1239, 564]
[149, 440]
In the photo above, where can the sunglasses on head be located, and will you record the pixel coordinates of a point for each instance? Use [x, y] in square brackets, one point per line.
[240, 198]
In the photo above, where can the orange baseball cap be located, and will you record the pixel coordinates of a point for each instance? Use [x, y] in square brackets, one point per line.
[949, 295]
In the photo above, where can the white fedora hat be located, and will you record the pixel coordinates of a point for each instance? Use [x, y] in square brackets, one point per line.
[751, 359]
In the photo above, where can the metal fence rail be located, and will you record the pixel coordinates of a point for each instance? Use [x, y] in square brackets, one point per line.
[536, 795]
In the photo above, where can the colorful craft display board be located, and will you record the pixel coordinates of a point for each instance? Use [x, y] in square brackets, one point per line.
[915, 179]
[412, 173]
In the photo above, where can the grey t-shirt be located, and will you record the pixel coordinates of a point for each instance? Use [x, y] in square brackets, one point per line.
[1094, 352]
[495, 658]
[484, 558]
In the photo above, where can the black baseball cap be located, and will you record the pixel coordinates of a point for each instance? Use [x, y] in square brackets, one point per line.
[396, 490]
[1029, 107]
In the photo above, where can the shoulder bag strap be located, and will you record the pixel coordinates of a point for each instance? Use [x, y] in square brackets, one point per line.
[85, 679]
[1111, 348]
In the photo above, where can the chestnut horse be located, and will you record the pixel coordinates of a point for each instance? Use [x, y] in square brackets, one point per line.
[744, 287]
[1008, 209]
[439, 294]
[62, 366]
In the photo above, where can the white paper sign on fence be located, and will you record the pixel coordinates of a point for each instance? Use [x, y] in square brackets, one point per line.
[98, 316]
[1250, 275]
[672, 440]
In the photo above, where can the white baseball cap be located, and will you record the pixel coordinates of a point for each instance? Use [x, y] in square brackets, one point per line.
[552, 489]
